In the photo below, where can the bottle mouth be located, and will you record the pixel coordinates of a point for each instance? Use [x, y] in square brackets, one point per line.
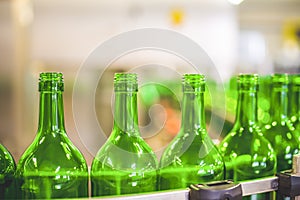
[55, 76]
[248, 82]
[125, 82]
[295, 79]
[280, 82]
[248, 78]
[280, 78]
[193, 82]
[51, 81]
[125, 77]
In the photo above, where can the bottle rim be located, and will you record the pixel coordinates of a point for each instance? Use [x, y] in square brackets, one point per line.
[248, 82]
[193, 78]
[248, 78]
[51, 82]
[295, 79]
[125, 77]
[282, 78]
[51, 76]
[193, 82]
[125, 82]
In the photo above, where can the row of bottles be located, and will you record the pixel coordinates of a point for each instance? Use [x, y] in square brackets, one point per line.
[52, 167]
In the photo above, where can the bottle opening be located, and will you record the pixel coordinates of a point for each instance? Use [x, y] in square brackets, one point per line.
[51, 81]
[280, 82]
[295, 79]
[248, 82]
[125, 82]
[248, 78]
[44, 76]
[280, 78]
[193, 82]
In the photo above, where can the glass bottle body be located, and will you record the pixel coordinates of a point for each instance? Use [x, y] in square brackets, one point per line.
[247, 153]
[187, 162]
[52, 167]
[243, 161]
[294, 106]
[7, 173]
[279, 130]
[191, 158]
[125, 164]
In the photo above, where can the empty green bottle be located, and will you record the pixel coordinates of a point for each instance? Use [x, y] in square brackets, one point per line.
[294, 105]
[125, 163]
[191, 157]
[279, 130]
[52, 167]
[7, 172]
[264, 100]
[247, 153]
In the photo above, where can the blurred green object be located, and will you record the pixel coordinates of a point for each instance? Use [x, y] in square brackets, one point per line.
[247, 153]
[191, 157]
[279, 130]
[264, 99]
[7, 173]
[52, 167]
[232, 94]
[152, 93]
[125, 164]
[294, 106]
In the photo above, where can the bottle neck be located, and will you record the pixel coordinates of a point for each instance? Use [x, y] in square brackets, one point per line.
[246, 114]
[295, 107]
[279, 103]
[51, 114]
[193, 116]
[125, 113]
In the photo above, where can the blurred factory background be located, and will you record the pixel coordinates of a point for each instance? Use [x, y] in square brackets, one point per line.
[254, 36]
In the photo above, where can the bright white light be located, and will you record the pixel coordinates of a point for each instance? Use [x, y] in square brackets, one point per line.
[235, 2]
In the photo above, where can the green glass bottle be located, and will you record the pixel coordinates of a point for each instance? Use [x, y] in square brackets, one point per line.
[247, 153]
[7, 172]
[279, 130]
[52, 167]
[294, 105]
[264, 100]
[125, 163]
[191, 157]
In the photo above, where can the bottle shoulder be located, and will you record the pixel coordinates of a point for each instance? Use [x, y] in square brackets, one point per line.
[240, 134]
[191, 150]
[125, 152]
[7, 163]
[247, 154]
[245, 141]
[284, 124]
[284, 139]
[127, 142]
[50, 151]
[283, 129]
[189, 139]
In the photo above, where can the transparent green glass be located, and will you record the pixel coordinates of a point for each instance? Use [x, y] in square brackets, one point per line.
[191, 157]
[264, 100]
[247, 153]
[125, 163]
[7, 173]
[279, 130]
[294, 106]
[52, 167]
